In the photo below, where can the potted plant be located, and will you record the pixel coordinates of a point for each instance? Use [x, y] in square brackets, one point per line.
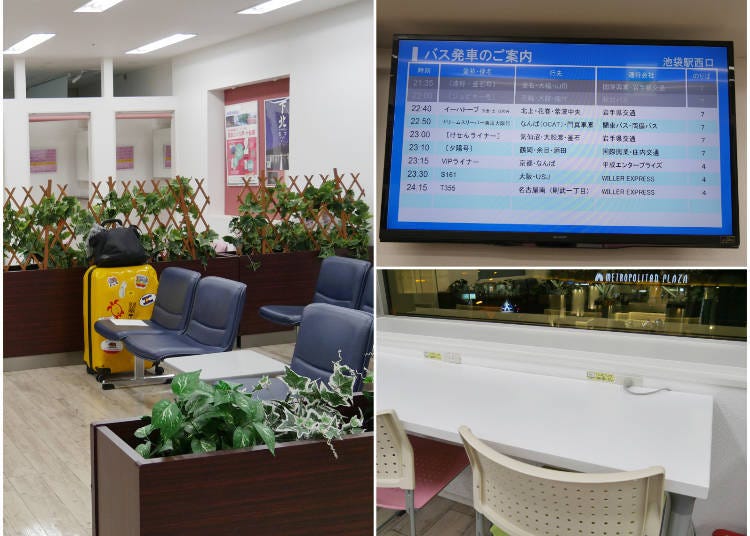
[282, 235]
[45, 259]
[608, 294]
[557, 290]
[217, 460]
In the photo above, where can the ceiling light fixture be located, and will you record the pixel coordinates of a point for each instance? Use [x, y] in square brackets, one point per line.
[161, 43]
[265, 7]
[28, 43]
[97, 6]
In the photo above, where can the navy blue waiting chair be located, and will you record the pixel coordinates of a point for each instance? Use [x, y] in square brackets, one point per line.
[212, 328]
[327, 333]
[340, 282]
[174, 299]
[367, 303]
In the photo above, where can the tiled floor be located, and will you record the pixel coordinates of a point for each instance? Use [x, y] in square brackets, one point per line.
[439, 517]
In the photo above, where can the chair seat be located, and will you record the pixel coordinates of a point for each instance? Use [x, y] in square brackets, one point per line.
[112, 332]
[290, 315]
[435, 465]
[158, 346]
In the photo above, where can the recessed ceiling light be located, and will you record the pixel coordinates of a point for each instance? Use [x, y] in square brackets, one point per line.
[30, 42]
[97, 6]
[265, 7]
[161, 43]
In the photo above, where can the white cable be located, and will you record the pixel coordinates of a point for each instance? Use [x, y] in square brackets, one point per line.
[628, 383]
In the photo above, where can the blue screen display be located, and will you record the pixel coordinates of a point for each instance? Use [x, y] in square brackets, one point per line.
[532, 137]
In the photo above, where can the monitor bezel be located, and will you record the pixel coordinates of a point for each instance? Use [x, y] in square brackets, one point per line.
[550, 238]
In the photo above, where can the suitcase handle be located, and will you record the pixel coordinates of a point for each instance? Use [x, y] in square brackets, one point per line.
[111, 220]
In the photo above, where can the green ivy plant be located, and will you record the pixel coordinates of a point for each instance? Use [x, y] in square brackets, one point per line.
[205, 418]
[296, 222]
[311, 410]
[168, 242]
[22, 231]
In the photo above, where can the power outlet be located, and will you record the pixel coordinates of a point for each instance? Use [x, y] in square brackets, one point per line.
[452, 357]
[609, 377]
[448, 357]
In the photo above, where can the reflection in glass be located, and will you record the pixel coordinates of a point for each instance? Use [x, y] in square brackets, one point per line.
[695, 303]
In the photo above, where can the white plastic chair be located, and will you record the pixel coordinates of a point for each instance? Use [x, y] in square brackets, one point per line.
[412, 470]
[525, 500]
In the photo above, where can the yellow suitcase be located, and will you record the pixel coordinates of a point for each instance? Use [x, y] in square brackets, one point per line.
[125, 292]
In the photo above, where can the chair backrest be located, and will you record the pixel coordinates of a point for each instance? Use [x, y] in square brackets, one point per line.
[327, 332]
[217, 310]
[395, 456]
[367, 303]
[174, 297]
[340, 281]
[526, 500]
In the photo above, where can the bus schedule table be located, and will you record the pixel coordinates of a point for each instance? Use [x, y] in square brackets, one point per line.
[575, 424]
[544, 144]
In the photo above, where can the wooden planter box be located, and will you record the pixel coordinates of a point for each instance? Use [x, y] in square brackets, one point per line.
[302, 490]
[227, 266]
[43, 308]
[42, 311]
[282, 279]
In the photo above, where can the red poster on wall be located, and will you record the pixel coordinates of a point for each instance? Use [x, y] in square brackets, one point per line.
[241, 137]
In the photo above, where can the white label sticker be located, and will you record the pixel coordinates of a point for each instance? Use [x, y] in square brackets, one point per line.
[111, 347]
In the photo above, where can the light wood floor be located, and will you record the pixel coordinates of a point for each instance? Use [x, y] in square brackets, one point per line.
[46, 462]
[439, 517]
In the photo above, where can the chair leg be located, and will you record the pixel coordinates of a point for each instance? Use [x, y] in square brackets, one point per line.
[139, 378]
[481, 523]
[410, 510]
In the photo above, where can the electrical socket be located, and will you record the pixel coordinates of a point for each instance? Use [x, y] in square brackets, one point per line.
[447, 357]
[629, 380]
[452, 357]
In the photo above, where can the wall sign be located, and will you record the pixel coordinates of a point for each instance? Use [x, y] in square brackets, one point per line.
[663, 278]
[43, 160]
[167, 156]
[277, 133]
[125, 157]
[241, 139]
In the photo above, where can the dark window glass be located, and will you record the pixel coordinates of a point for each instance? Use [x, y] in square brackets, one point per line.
[691, 303]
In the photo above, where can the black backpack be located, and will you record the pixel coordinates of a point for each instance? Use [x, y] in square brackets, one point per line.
[117, 246]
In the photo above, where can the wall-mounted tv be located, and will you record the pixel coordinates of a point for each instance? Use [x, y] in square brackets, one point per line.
[561, 142]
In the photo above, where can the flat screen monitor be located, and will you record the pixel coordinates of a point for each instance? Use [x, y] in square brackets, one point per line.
[561, 142]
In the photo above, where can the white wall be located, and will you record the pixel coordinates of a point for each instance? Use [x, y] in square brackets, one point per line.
[329, 60]
[102, 130]
[162, 137]
[717, 368]
[61, 136]
[139, 133]
[328, 57]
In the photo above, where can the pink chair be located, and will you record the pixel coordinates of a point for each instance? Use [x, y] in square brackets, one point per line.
[411, 470]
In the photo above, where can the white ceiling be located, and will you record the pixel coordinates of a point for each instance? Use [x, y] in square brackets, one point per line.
[84, 38]
[720, 20]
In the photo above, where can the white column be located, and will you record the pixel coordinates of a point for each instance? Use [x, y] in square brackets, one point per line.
[16, 169]
[102, 144]
[107, 78]
[19, 78]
